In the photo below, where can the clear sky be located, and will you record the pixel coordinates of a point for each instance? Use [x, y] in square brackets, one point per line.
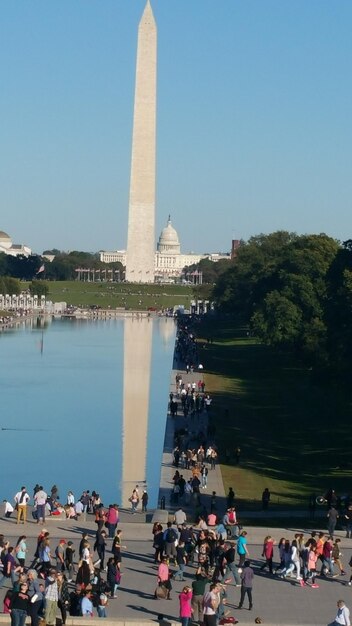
[254, 119]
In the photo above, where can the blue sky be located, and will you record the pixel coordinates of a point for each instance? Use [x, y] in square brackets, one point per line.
[254, 119]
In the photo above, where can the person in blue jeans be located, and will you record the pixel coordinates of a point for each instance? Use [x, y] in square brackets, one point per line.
[231, 567]
[102, 604]
[242, 548]
[180, 560]
[20, 603]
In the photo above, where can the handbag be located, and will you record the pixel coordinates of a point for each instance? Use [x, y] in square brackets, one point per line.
[161, 592]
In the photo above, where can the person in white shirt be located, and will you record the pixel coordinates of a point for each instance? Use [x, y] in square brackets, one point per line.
[211, 602]
[8, 508]
[79, 508]
[40, 499]
[343, 615]
[180, 517]
[70, 499]
[22, 498]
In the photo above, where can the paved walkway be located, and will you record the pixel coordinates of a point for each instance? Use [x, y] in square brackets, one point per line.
[193, 425]
[276, 601]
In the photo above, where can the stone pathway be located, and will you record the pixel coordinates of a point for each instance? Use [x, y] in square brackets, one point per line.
[195, 424]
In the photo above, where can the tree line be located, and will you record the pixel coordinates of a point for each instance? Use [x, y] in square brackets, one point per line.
[295, 293]
[63, 267]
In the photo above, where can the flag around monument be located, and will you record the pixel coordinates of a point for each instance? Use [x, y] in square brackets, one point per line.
[141, 215]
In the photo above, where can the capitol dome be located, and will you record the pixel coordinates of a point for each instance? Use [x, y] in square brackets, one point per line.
[5, 240]
[168, 240]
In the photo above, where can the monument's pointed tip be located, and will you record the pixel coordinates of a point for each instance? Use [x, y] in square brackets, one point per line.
[148, 11]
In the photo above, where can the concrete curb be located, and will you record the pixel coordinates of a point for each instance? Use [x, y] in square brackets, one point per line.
[110, 621]
[80, 621]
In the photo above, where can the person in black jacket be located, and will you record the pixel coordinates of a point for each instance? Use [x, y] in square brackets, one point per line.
[99, 546]
[20, 606]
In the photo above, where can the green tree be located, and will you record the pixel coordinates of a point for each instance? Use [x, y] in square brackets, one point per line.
[9, 285]
[3, 264]
[38, 288]
[278, 284]
[211, 270]
[23, 267]
[338, 313]
[278, 321]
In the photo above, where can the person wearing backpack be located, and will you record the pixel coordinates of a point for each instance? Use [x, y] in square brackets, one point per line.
[170, 538]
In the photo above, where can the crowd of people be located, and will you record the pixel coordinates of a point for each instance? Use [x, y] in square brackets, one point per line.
[42, 585]
[45, 505]
[207, 556]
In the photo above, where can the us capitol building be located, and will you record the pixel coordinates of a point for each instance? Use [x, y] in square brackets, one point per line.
[12, 249]
[168, 261]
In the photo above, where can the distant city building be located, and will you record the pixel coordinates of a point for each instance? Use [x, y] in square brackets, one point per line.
[169, 262]
[12, 249]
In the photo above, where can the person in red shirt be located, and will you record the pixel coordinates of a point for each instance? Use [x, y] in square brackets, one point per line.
[268, 553]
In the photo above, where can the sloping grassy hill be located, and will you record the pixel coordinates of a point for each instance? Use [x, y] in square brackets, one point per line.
[295, 435]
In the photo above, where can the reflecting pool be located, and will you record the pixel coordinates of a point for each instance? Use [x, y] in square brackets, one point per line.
[83, 405]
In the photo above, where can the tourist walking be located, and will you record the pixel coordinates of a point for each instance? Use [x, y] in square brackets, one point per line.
[35, 591]
[117, 545]
[247, 576]
[69, 564]
[20, 603]
[51, 598]
[312, 567]
[242, 550]
[164, 577]
[198, 591]
[211, 602]
[134, 500]
[99, 546]
[268, 553]
[21, 551]
[332, 516]
[113, 576]
[64, 596]
[231, 566]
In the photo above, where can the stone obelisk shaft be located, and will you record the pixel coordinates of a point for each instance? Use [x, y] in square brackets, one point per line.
[141, 216]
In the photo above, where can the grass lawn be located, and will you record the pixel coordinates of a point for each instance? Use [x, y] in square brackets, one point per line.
[136, 297]
[295, 436]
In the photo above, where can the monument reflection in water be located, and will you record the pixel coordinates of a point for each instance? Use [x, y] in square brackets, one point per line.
[88, 413]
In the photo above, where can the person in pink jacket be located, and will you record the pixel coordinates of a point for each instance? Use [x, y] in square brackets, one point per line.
[112, 519]
[164, 576]
[185, 606]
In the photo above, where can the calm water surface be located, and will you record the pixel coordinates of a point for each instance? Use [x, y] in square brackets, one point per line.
[89, 411]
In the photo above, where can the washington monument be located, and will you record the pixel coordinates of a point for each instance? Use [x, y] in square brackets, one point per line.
[141, 215]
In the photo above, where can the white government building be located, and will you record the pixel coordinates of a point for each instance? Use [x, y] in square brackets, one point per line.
[7, 247]
[168, 260]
